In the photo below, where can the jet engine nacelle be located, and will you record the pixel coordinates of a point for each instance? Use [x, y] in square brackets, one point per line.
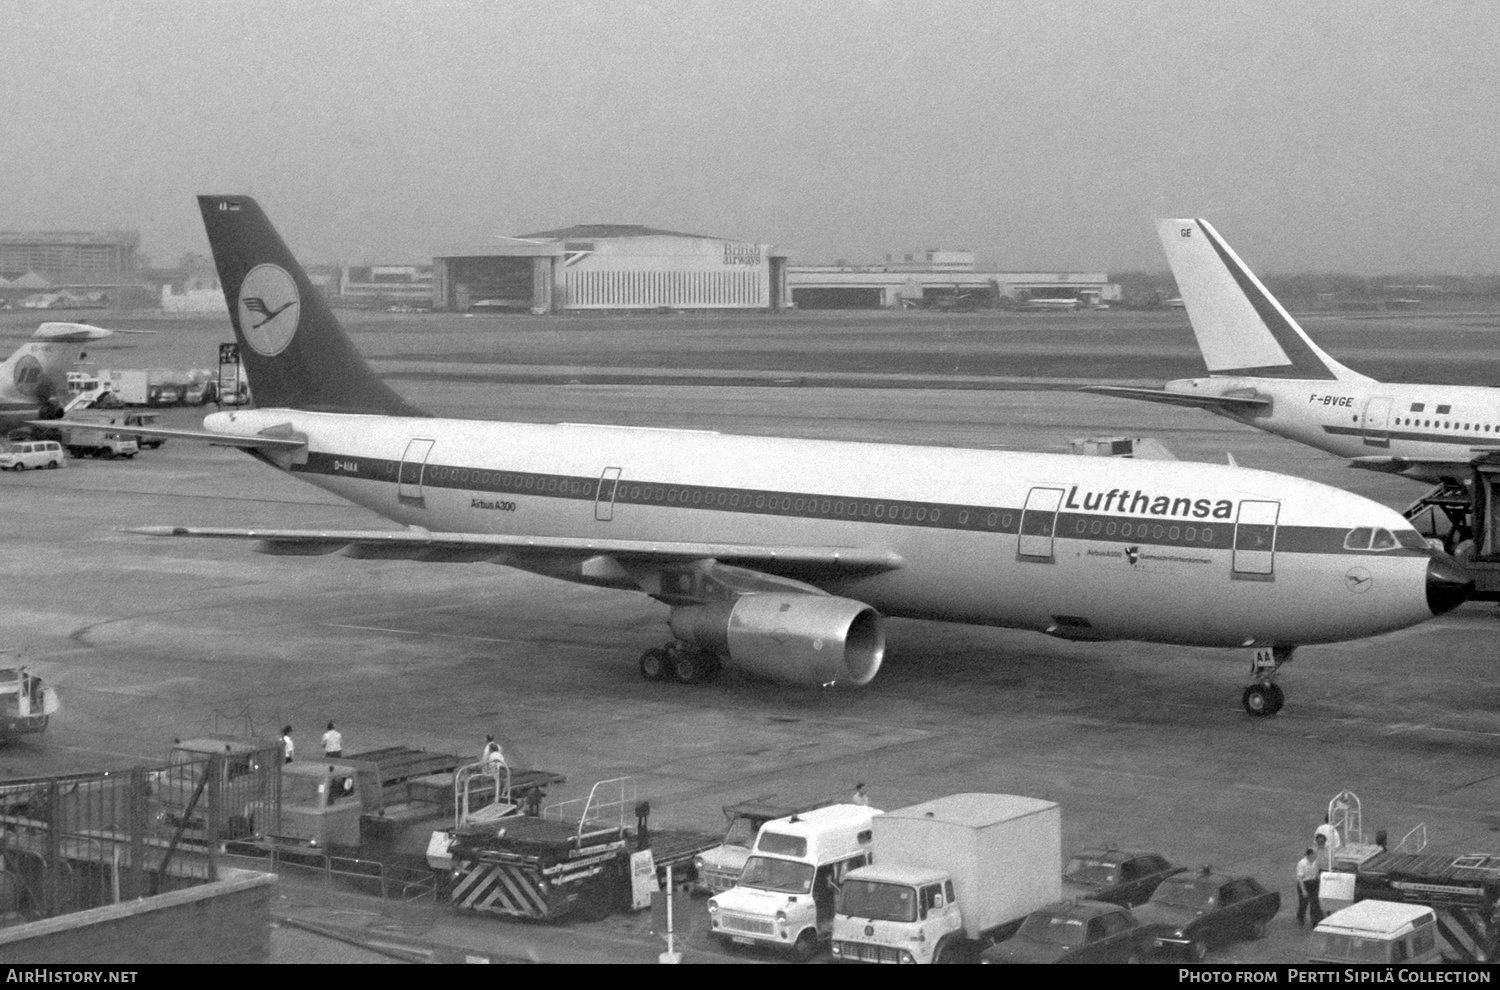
[808, 640]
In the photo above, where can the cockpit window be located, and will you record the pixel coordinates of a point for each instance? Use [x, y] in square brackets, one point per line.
[1358, 539]
[1383, 540]
[1411, 539]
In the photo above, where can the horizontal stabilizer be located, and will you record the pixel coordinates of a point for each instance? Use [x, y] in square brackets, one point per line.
[1237, 401]
[418, 544]
[203, 436]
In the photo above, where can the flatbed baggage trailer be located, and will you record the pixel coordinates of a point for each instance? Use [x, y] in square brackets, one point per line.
[1464, 890]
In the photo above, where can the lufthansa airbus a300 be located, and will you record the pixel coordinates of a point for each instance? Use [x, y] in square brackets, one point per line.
[780, 557]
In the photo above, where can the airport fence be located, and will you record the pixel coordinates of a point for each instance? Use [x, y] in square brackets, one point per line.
[81, 841]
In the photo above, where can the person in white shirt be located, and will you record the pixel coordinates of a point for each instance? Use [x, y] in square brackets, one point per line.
[1307, 888]
[288, 748]
[333, 743]
[492, 753]
[860, 797]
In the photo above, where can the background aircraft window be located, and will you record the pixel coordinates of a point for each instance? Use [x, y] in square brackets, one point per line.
[992, 518]
[671, 494]
[906, 512]
[1208, 534]
[661, 494]
[864, 510]
[1080, 526]
[1418, 406]
[1175, 533]
[1383, 540]
[1095, 527]
[1005, 521]
[879, 512]
[1156, 532]
[1358, 539]
[1191, 532]
[797, 505]
[921, 514]
[530, 481]
[963, 517]
[1252, 536]
[1109, 530]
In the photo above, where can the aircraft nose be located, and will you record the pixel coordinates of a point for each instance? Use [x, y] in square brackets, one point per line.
[1448, 584]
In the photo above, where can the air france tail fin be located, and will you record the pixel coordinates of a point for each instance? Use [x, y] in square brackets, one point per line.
[295, 353]
[1241, 328]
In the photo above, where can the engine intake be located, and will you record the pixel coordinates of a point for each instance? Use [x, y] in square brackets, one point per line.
[806, 640]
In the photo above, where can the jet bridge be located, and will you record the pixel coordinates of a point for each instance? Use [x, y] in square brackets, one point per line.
[1464, 513]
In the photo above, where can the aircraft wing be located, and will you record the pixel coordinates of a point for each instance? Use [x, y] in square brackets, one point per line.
[419, 544]
[1395, 465]
[257, 442]
[1236, 401]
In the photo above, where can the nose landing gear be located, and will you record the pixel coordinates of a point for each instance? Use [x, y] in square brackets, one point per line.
[1265, 697]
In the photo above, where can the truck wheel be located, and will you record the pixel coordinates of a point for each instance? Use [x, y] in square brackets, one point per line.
[949, 953]
[806, 945]
[51, 465]
[654, 664]
[19, 466]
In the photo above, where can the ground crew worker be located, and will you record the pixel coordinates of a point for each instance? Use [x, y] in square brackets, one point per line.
[1307, 888]
[333, 743]
[1330, 835]
[492, 753]
[288, 748]
[860, 797]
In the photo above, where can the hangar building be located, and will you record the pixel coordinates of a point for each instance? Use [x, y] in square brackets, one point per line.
[610, 267]
[940, 278]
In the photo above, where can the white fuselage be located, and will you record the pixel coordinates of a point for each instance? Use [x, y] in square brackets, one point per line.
[1087, 548]
[1433, 423]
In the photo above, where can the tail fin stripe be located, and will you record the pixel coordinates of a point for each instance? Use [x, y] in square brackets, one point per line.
[1305, 362]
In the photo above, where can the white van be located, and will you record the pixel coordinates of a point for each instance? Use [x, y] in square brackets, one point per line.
[23, 454]
[785, 893]
[1377, 932]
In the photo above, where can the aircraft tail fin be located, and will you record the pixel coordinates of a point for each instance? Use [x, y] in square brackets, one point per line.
[295, 352]
[1241, 328]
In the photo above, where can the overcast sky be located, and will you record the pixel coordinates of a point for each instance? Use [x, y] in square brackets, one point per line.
[1334, 136]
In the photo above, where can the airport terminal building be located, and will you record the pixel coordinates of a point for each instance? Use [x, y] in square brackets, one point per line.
[610, 267]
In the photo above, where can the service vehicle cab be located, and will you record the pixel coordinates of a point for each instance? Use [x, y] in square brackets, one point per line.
[785, 894]
[718, 869]
[25, 454]
[1377, 932]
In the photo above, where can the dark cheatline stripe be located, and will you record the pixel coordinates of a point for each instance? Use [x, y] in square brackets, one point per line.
[1305, 363]
[1173, 531]
[1448, 438]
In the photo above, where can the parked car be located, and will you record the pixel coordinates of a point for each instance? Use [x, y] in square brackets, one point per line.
[1191, 912]
[1116, 875]
[1074, 932]
[31, 454]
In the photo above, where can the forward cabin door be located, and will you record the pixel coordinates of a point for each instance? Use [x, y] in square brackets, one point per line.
[1038, 520]
[604, 501]
[1378, 422]
[1255, 540]
[413, 464]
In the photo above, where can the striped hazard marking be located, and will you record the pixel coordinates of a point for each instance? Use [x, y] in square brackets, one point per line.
[501, 888]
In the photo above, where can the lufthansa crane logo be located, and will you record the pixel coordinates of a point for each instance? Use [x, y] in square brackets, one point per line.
[1358, 580]
[269, 309]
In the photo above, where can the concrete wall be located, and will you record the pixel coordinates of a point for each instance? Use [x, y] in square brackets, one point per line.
[227, 921]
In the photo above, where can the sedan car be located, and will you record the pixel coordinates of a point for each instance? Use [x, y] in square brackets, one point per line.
[1191, 912]
[1074, 932]
[1116, 876]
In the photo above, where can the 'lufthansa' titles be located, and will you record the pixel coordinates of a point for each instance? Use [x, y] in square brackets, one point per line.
[1143, 503]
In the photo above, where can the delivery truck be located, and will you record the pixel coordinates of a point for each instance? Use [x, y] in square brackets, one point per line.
[949, 878]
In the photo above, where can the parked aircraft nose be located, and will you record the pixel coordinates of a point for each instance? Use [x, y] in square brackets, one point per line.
[1448, 584]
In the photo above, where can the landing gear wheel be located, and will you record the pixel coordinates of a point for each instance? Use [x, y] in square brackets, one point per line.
[654, 664]
[1257, 700]
[690, 666]
[1277, 697]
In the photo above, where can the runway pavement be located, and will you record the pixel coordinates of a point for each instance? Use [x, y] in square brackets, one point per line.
[1143, 746]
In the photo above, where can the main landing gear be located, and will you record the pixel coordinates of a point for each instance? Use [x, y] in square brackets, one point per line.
[680, 662]
[1265, 697]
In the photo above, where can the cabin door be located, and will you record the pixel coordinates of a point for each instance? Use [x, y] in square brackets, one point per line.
[413, 464]
[1378, 422]
[1038, 520]
[604, 501]
[1255, 540]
